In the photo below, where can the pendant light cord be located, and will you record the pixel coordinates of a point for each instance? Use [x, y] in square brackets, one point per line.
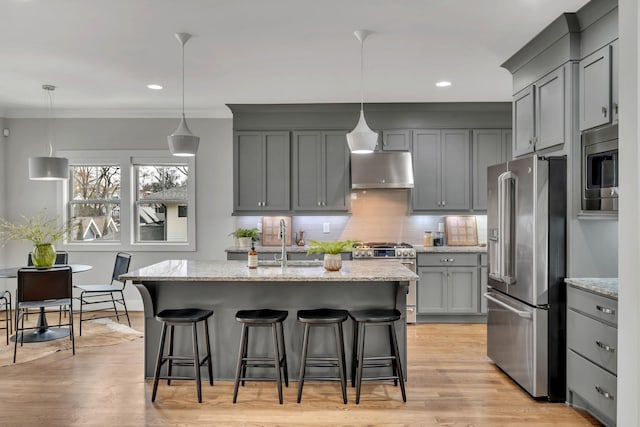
[49, 119]
[362, 75]
[182, 79]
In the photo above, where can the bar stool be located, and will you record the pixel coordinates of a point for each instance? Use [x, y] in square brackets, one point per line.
[375, 317]
[183, 317]
[262, 318]
[323, 317]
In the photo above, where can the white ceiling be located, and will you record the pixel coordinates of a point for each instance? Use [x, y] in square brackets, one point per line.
[101, 54]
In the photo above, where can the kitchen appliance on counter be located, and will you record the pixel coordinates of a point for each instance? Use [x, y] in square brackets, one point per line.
[401, 251]
[526, 298]
[600, 169]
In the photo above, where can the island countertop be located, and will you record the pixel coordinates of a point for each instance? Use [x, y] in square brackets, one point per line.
[229, 271]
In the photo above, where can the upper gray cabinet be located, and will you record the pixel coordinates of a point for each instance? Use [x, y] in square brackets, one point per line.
[441, 167]
[320, 171]
[395, 140]
[490, 147]
[261, 171]
[595, 89]
[539, 114]
[524, 121]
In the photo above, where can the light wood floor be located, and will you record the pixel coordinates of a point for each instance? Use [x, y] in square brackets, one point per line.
[452, 383]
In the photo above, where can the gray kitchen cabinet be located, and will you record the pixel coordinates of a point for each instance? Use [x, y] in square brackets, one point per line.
[550, 110]
[441, 167]
[484, 281]
[448, 283]
[395, 140]
[261, 171]
[592, 351]
[539, 114]
[490, 147]
[615, 67]
[524, 122]
[320, 171]
[595, 89]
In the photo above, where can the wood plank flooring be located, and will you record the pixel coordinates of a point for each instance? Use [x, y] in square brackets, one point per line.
[452, 383]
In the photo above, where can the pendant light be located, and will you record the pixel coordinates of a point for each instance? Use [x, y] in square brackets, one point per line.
[182, 142]
[49, 168]
[362, 139]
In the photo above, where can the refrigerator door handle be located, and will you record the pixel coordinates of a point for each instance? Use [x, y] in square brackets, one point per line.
[524, 314]
[507, 193]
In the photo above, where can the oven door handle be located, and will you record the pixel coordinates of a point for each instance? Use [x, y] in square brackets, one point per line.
[524, 314]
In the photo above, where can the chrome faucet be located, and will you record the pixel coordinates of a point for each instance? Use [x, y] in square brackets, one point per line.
[282, 236]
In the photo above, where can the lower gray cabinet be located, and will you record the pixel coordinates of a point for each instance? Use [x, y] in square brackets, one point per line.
[448, 288]
[592, 352]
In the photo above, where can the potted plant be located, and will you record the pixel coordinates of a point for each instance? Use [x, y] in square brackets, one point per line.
[41, 230]
[244, 236]
[332, 252]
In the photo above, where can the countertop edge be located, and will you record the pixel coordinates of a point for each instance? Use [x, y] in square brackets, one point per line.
[604, 286]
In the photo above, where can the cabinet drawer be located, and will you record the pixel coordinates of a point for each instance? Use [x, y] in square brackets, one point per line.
[600, 307]
[447, 259]
[594, 340]
[592, 383]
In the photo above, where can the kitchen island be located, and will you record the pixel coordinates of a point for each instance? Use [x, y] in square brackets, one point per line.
[228, 286]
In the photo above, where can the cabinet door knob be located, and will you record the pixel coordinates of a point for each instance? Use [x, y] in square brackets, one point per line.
[450, 260]
[319, 203]
[259, 203]
[604, 111]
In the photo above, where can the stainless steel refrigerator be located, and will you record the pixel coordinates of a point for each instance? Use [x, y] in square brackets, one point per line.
[526, 297]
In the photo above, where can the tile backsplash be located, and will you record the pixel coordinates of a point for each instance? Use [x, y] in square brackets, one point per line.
[376, 215]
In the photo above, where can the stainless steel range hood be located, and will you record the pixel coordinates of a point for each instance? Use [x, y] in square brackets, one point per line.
[382, 170]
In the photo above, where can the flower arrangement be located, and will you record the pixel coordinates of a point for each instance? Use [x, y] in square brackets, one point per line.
[39, 229]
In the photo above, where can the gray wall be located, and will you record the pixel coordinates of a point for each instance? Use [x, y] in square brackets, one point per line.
[214, 172]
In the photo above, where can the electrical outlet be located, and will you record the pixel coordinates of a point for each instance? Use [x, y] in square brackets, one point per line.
[326, 227]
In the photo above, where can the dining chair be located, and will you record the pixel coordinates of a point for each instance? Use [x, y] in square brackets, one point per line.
[38, 288]
[5, 302]
[112, 292]
[62, 258]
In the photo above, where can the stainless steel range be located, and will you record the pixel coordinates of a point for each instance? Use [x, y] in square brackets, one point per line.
[386, 250]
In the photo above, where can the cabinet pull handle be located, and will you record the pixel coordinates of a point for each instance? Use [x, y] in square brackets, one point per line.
[604, 393]
[451, 260]
[605, 310]
[605, 347]
[604, 111]
[319, 204]
[615, 108]
[259, 203]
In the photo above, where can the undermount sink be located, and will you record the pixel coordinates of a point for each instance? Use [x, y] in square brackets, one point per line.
[291, 263]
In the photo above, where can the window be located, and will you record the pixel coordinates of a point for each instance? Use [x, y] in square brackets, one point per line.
[132, 200]
[162, 190]
[94, 205]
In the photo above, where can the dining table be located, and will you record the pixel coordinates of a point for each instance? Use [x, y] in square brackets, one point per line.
[42, 331]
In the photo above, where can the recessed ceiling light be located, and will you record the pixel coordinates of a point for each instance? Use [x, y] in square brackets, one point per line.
[154, 87]
[443, 84]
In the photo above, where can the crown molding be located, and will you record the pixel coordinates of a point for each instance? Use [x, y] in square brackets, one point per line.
[39, 113]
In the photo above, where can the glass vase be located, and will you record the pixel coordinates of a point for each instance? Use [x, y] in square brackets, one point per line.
[43, 255]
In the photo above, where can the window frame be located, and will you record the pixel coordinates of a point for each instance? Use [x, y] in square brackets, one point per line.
[127, 160]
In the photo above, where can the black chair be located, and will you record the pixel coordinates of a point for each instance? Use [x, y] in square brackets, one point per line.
[5, 302]
[323, 317]
[109, 293]
[38, 288]
[183, 317]
[262, 318]
[62, 258]
[375, 317]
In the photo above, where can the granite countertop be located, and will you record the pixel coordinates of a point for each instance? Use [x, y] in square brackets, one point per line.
[418, 248]
[437, 249]
[603, 286]
[274, 249]
[225, 271]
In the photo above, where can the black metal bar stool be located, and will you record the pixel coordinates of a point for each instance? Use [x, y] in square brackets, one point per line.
[264, 317]
[323, 317]
[375, 317]
[183, 317]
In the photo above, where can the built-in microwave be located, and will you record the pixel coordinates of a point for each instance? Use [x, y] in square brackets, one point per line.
[600, 169]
